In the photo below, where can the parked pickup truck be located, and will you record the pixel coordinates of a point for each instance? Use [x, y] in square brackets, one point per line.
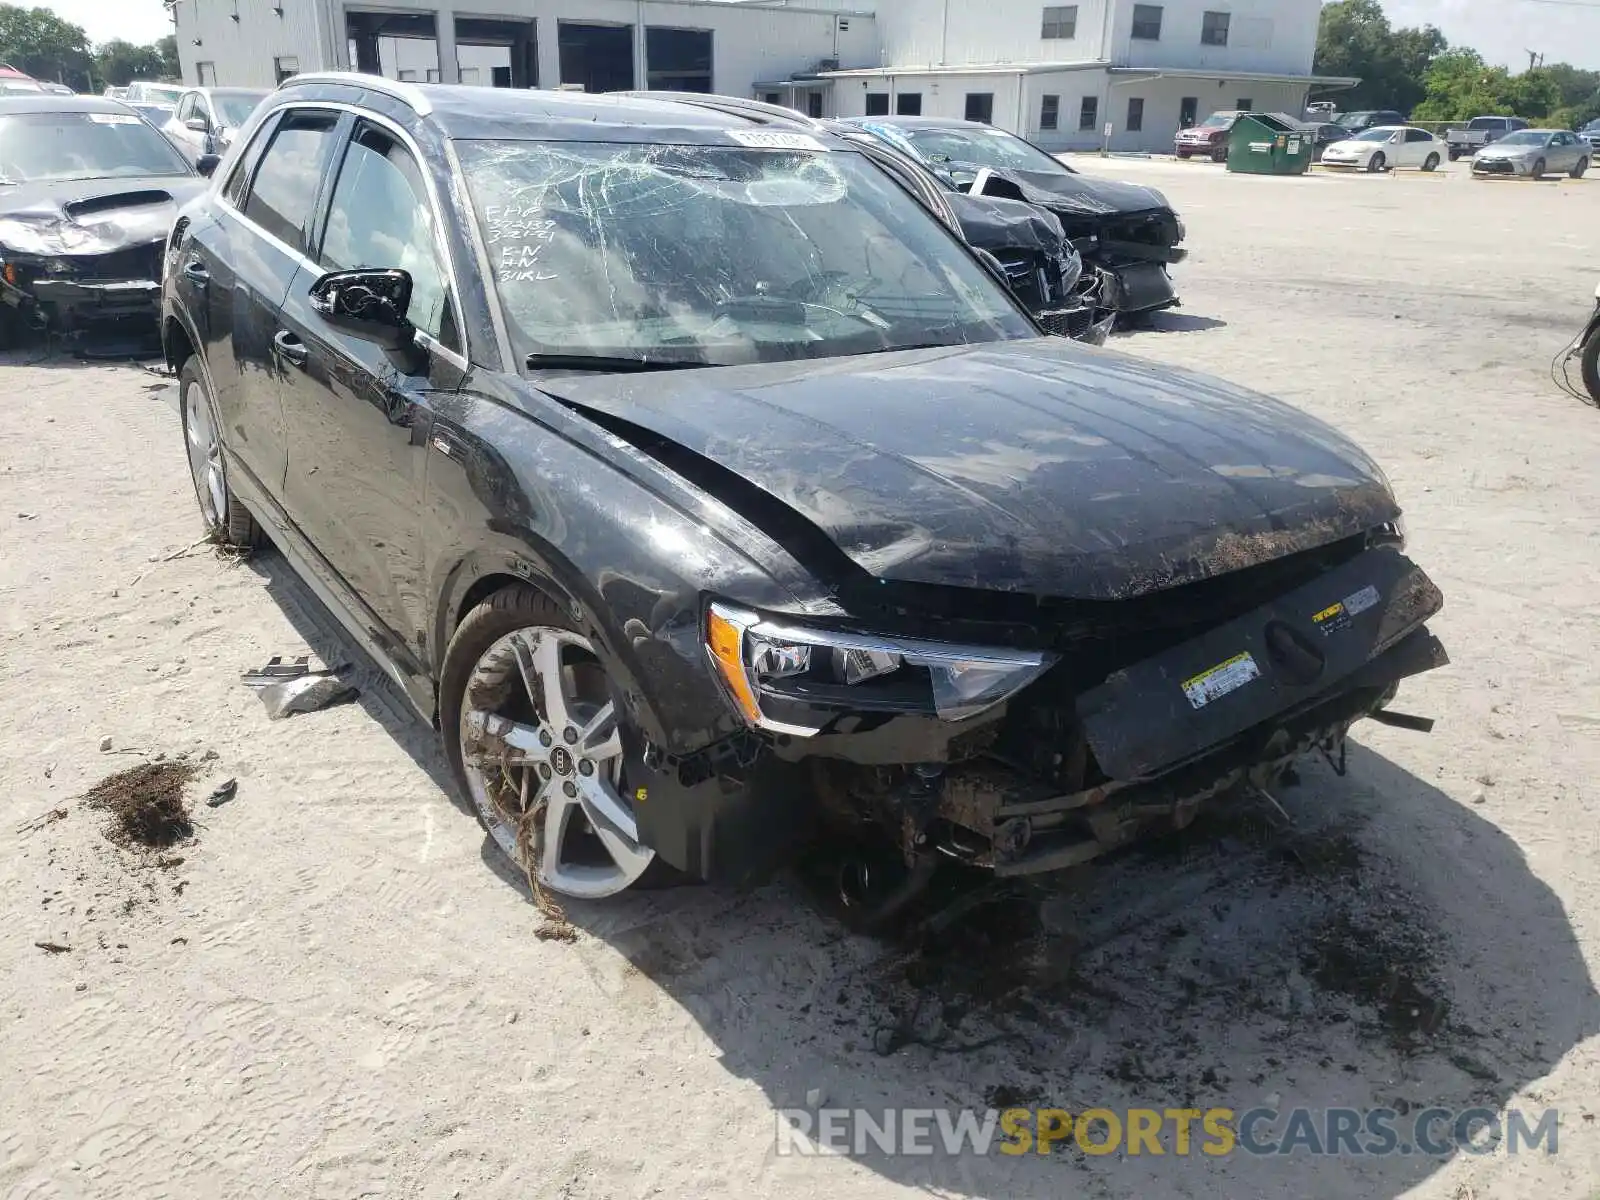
[1480, 132]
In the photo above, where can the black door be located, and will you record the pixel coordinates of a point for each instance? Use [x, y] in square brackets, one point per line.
[243, 262]
[359, 416]
[1188, 111]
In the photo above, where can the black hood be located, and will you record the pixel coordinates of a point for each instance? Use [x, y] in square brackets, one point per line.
[1081, 193]
[993, 223]
[1038, 467]
[92, 216]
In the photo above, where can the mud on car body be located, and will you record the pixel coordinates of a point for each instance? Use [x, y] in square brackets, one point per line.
[711, 496]
[88, 191]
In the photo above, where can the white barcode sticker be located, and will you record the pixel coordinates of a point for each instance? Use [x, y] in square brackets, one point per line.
[113, 118]
[771, 139]
[1221, 679]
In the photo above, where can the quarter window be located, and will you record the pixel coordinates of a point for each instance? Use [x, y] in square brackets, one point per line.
[380, 216]
[1214, 29]
[284, 189]
[1147, 22]
[1060, 22]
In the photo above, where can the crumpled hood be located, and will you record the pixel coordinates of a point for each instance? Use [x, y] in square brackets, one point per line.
[994, 223]
[1082, 193]
[1038, 466]
[92, 216]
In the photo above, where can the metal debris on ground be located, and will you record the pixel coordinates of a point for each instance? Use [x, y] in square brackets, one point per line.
[224, 791]
[278, 671]
[53, 947]
[309, 693]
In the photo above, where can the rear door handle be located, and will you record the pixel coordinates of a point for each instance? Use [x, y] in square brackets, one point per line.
[196, 271]
[290, 347]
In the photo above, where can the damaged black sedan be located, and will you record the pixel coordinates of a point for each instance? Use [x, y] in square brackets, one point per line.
[88, 191]
[1126, 234]
[713, 498]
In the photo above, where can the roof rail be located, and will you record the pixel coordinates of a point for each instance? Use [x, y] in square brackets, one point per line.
[409, 93]
[753, 110]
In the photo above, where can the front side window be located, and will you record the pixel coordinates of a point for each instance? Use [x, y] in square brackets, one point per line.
[1049, 112]
[284, 189]
[1214, 29]
[53, 147]
[1418, 135]
[1060, 22]
[380, 216]
[716, 254]
[1147, 22]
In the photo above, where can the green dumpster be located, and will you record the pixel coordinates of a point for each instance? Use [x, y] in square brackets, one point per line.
[1261, 144]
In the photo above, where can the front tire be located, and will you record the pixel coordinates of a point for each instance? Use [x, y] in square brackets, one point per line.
[227, 521]
[530, 725]
[1432, 164]
[1378, 163]
[1579, 170]
[1538, 170]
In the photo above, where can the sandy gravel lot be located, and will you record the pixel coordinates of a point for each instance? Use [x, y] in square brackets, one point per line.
[334, 995]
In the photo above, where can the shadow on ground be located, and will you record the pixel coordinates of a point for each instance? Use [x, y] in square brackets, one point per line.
[1388, 949]
[1173, 322]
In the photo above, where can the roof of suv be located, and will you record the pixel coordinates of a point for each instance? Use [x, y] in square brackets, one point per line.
[54, 102]
[464, 111]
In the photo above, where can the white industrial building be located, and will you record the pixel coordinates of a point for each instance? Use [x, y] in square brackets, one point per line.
[1062, 75]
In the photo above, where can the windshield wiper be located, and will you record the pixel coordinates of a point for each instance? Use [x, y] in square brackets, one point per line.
[600, 362]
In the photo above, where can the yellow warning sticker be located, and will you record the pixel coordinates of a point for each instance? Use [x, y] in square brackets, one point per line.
[1221, 679]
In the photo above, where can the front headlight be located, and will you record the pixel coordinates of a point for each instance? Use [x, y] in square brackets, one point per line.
[792, 679]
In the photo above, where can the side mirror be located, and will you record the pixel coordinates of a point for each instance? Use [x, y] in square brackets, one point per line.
[207, 163]
[196, 125]
[367, 304]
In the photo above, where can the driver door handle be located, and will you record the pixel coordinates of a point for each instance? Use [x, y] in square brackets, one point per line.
[196, 271]
[291, 348]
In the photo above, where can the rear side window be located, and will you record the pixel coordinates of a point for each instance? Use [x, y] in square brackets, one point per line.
[283, 192]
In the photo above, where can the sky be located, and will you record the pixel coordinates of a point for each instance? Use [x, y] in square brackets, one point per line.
[1502, 30]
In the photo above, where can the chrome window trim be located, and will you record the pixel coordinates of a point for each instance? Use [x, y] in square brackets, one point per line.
[410, 94]
[441, 245]
[491, 294]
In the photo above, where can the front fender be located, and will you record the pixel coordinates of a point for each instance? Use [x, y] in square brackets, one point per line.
[511, 498]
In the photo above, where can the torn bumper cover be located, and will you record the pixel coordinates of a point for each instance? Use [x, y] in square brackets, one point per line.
[1072, 765]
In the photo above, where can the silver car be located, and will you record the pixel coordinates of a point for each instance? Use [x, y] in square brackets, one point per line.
[1535, 153]
[207, 118]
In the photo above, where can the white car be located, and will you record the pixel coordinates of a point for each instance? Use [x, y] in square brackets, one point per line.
[1386, 148]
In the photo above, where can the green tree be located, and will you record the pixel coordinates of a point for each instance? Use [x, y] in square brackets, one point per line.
[170, 67]
[37, 41]
[1356, 39]
[119, 63]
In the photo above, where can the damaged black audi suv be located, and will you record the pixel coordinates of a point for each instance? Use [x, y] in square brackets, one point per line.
[713, 497]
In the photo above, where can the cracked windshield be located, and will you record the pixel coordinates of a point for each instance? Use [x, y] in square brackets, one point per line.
[712, 255]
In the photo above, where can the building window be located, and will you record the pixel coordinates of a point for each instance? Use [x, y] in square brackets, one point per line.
[208, 73]
[1049, 112]
[772, 97]
[1060, 22]
[908, 104]
[282, 68]
[980, 107]
[1245, 105]
[1147, 22]
[1135, 114]
[1089, 113]
[677, 60]
[1214, 29]
[1188, 111]
[814, 104]
[877, 104]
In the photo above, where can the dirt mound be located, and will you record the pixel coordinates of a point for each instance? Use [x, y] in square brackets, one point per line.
[144, 805]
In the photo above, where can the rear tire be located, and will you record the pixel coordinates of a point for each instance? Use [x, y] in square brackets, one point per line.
[1591, 366]
[227, 521]
[1432, 164]
[1581, 169]
[1378, 163]
[1455, 155]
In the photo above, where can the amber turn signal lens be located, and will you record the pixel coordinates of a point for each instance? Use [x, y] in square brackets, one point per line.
[725, 640]
[11, 273]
